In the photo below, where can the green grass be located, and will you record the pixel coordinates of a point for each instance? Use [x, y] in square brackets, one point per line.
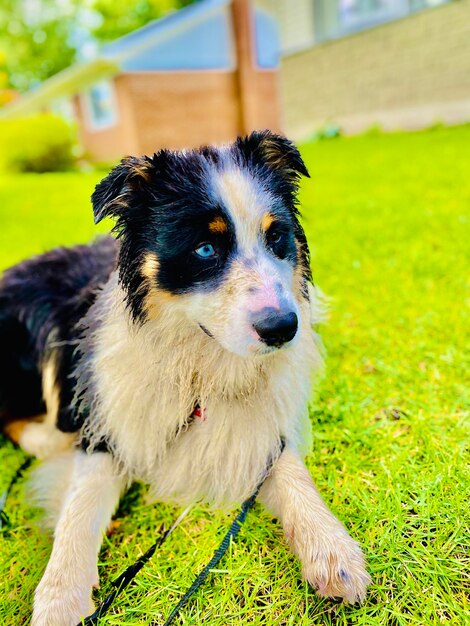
[388, 222]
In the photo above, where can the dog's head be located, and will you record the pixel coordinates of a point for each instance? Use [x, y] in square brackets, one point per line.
[214, 232]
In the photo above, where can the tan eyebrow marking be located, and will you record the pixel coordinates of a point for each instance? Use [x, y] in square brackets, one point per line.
[154, 296]
[150, 266]
[267, 221]
[218, 225]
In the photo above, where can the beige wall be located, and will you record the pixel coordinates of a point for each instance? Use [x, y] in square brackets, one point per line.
[405, 74]
[295, 20]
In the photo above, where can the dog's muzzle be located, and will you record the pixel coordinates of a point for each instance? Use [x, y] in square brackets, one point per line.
[275, 327]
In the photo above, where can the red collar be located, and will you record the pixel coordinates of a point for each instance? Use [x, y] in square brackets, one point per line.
[200, 414]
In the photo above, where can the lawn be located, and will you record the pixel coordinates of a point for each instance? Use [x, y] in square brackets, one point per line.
[387, 218]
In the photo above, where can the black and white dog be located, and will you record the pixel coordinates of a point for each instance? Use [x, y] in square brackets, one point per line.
[180, 354]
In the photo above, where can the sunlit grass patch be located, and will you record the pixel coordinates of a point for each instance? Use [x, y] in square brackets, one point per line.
[387, 218]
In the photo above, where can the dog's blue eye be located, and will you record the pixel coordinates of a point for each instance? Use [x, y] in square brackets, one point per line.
[205, 251]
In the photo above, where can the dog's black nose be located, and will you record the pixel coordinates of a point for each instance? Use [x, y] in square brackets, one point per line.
[275, 327]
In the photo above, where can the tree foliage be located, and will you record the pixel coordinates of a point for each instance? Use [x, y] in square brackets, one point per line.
[118, 19]
[34, 40]
[38, 38]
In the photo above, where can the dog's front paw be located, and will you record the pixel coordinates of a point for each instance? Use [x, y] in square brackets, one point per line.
[334, 565]
[54, 606]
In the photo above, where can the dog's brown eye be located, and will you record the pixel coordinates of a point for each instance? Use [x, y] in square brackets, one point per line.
[274, 236]
[277, 240]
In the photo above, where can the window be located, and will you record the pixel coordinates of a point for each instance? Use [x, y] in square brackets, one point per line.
[304, 23]
[416, 5]
[101, 106]
[357, 14]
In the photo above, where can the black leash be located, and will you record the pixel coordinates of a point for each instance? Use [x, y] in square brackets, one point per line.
[218, 554]
[122, 581]
[4, 518]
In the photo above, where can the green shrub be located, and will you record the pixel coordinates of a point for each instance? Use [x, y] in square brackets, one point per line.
[40, 143]
[329, 131]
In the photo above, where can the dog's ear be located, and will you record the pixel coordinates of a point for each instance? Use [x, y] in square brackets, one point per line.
[276, 151]
[112, 195]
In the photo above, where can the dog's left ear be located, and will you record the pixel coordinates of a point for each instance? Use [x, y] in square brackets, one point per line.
[112, 196]
[276, 151]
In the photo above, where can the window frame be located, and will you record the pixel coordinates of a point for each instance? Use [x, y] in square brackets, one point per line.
[92, 122]
[410, 7]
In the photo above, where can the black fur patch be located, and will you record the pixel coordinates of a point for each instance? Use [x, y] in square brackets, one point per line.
[41, 302]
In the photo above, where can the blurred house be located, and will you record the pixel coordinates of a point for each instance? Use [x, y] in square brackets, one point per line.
[203, 74]
[211, 71]
[356, 63]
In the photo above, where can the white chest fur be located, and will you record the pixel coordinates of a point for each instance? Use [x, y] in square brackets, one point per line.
[147, 381]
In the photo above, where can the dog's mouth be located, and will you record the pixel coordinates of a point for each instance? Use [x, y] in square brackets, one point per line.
[260, 350]
[208, 333]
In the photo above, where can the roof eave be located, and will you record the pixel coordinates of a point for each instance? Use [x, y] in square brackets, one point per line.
[64, 84]
[81, 76]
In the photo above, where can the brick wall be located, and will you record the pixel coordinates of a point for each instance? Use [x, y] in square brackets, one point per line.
[408, 73]
[178, 109]
[182, 109]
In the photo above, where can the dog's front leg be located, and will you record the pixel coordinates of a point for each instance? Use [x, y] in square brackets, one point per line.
[64, 594]
[332, 562]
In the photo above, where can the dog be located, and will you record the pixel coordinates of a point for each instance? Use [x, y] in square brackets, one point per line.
[179, 353]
